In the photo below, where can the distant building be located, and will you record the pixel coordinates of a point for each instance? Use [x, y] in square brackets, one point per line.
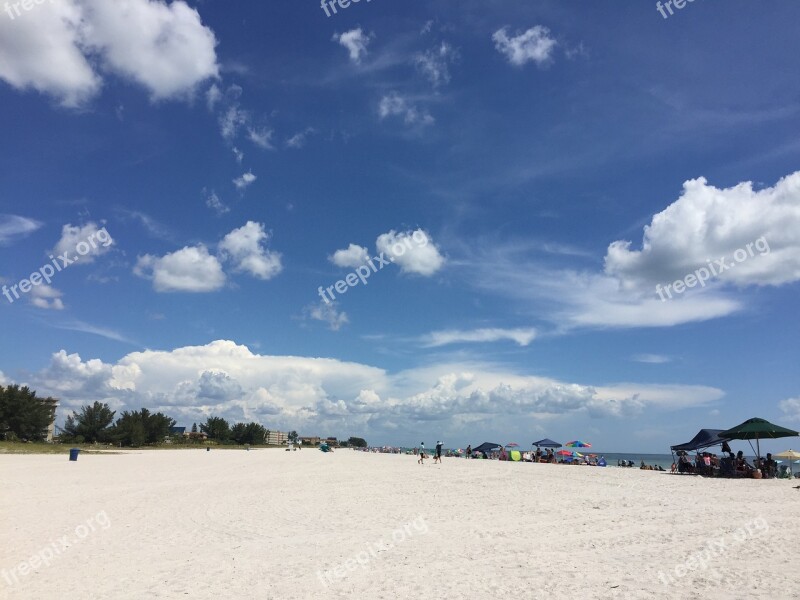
[311, 440]
[332, 441]
[51, 429]
[277, 438]
[177, 430]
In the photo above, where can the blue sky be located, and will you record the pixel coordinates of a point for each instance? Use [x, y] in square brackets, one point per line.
[530, 171]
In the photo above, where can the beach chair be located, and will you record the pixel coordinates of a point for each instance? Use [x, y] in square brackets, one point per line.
[783, 472]
[726, 468]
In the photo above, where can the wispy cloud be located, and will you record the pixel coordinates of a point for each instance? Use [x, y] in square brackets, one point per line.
[522, 336]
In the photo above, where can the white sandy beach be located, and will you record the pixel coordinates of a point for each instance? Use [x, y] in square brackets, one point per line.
[301, 525]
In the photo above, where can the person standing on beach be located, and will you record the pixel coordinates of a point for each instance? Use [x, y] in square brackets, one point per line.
[438, 457]
[469, 451]
[421, 453]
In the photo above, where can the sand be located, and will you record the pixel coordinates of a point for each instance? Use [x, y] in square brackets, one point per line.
[276, 524]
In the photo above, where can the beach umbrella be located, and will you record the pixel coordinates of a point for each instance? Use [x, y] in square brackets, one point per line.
[547, 443]
[790, 454]
[512, 445]
[757, 429]
[577, 454]
[564, 453]
[578, 444]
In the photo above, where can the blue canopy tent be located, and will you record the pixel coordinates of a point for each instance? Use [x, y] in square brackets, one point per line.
[487, 447]
[547, 443]
[705, 438]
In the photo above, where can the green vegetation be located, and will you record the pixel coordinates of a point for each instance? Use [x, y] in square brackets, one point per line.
[91, 425]
[23, 416]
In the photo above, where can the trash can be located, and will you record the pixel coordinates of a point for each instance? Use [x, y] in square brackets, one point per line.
[73, 453]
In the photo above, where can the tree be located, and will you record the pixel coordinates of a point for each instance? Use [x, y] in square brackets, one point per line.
[357, 442]
[216, 428]
[23, 415]
[194, 427]
[293, 437]
[138, 428]
[92, 423]
[251, 433]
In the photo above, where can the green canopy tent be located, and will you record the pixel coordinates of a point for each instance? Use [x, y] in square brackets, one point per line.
[757, 429]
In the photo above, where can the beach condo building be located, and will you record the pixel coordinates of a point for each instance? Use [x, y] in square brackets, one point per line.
[310, 440]
[331, 441]
[277, 438]
[51, 429]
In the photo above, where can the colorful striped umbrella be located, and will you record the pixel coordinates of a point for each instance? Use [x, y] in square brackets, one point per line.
[577, 444]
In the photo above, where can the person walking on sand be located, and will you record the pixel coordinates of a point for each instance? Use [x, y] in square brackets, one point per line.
[421, 453]
[469, 451]
[438, 456]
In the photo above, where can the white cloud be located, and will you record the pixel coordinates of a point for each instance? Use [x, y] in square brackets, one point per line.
[791, 408]
[214, 203]
[246, 248]
[83, 243]
[413, 251]
[237, 154]
[14, 227]
[327, 312]
[165, 48]
[232, 120]
[707, 223]
[653, 359]
[298, 140]
[394, 105]
[534, 45]
[191, 269]
[435, 63]
[261, 138]
[756, 231]
[46, 297]
[356, 42]
[244, 180]
[43, 50]
[229, 380]
[352, 256]
[54, 49]
[213, 96]
[522, 336]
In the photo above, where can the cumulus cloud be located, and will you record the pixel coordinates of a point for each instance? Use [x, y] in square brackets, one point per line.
[246, 248]
[435, 63]
[413, 251]
[163, 47]
[708, 223]
[395, 105]
[14, 227]
[229, 380]
[756, 233]
[243, 181]
[191, 269]
[522, 336]
[534, 45]
[355, 41]
[351, 257]
[84, 243]
[46, 297]
[61, 49]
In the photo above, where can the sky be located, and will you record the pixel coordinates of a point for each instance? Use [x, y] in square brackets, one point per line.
[405, 221]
